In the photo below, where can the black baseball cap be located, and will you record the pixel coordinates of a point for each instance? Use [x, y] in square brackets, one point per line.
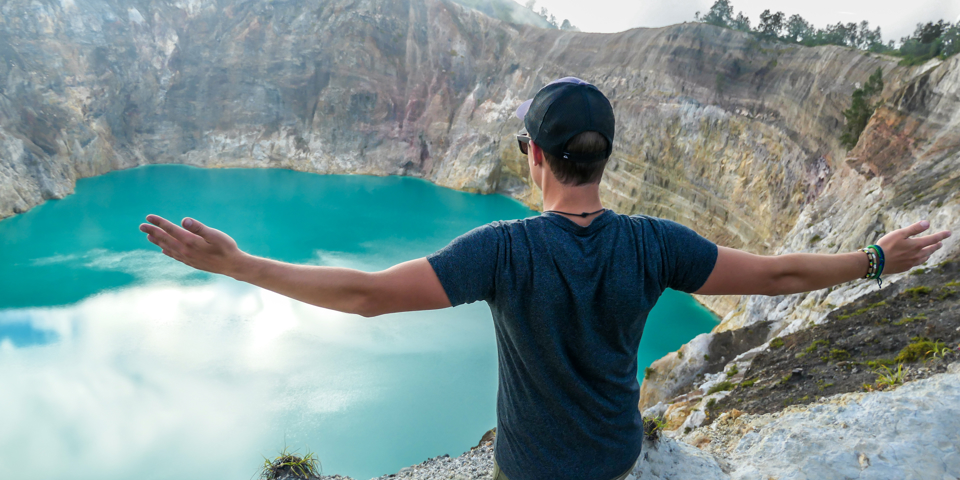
[563, 109]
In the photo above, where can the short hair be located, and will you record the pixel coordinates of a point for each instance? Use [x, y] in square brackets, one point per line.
[580, 173]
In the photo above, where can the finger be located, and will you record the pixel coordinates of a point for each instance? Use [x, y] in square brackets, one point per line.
[174, 230]
[165, 241]
[173, 255]
[158, 236]
[915, 228]
[931, 239]
[194, 226]
[928, 250]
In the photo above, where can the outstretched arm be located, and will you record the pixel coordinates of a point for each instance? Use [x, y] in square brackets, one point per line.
[742, 273]
[410, 285]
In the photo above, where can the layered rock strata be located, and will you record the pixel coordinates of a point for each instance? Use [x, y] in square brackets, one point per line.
[903, 169]
[716, 129]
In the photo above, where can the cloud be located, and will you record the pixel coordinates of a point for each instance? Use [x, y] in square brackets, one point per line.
[200, 381]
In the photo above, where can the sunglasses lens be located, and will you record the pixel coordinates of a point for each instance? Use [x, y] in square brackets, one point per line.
[523, 147]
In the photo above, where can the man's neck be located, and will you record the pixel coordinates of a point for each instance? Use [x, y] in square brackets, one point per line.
[570, 199]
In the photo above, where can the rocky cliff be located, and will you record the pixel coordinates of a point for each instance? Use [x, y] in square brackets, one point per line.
[715, 128]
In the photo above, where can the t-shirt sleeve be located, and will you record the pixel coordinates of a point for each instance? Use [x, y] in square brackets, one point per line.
[689, 258]
[467, 266]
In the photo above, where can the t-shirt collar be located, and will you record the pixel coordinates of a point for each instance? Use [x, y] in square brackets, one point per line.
[569, 225]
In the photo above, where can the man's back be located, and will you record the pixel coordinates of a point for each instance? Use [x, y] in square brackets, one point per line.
[569, 305]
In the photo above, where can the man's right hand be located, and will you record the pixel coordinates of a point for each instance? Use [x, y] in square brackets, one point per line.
[196, 245]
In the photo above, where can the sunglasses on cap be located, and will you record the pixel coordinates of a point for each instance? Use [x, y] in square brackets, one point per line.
[523, 139]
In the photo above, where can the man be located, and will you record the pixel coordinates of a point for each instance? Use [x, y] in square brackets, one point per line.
[569, 290]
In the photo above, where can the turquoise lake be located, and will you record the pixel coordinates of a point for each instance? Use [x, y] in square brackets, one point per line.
[117, 362]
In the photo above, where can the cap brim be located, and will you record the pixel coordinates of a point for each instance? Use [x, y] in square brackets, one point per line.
[522, 109]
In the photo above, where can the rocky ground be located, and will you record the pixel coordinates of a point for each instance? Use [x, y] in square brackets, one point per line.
[475, 464]
[902, 332]
[907, 431]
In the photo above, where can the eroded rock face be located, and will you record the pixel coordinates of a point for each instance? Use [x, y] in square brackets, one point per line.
[725, 133]
[903, 169]
[707, 353]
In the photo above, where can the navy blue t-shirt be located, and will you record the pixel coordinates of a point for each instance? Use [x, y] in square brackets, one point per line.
[569, 304]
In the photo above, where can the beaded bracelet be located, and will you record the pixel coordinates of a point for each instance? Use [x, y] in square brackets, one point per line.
[875, 260]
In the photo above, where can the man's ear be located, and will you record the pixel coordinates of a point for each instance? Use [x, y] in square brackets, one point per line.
[535, 153]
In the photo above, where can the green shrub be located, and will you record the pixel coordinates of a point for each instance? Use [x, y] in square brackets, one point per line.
[861, 109]
[777, 342]
[732, 371]
[748, 383]
[711, 403]
[649, 372]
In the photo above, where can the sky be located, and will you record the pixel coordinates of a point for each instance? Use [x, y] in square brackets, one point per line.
[896, 18]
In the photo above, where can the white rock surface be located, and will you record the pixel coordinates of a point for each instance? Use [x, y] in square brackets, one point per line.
[669, 459]
[912, 432]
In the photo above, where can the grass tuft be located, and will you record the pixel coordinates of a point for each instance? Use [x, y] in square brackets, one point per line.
[816, 344]
[920, 349]
[777, 342]
[889, 377]
[836, 354]
[653, 426]
[906, 320]
[305, 467]
[721, 387]
[917, 292]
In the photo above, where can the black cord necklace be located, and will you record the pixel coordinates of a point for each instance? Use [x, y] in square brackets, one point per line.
[584, 214]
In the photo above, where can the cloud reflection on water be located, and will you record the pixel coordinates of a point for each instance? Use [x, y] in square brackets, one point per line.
[163, 380]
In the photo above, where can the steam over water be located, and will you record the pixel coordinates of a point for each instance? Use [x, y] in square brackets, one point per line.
[116, 362]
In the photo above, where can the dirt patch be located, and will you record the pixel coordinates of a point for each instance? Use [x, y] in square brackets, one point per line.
[883, 339]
